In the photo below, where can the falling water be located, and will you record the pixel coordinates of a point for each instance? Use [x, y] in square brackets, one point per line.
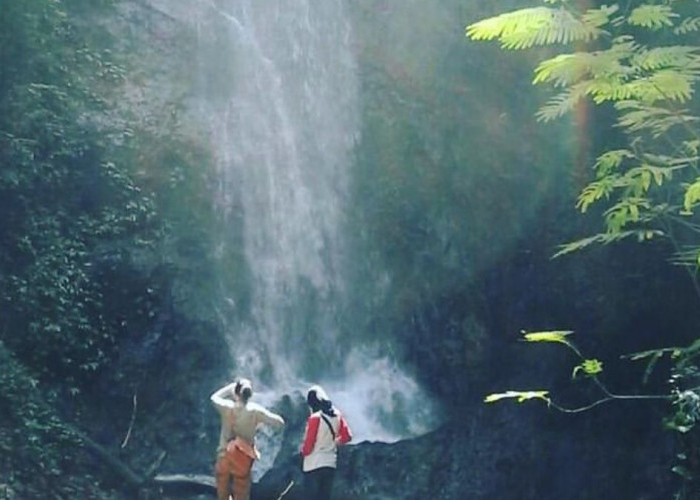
[284, 137]
[281, 87]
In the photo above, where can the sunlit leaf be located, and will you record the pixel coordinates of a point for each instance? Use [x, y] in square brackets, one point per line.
[590, 367]
[519, 396]
[652, 16]
[525, 28]
[548, 336]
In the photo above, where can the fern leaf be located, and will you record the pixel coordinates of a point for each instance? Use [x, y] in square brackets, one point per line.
[548, 336]
[622, 213]
[661, 85]
[611, 88]
[610, 161]
[678, 56]
[652, 353]
[689, 257]
[561, 104]
[692, 196]
[688, 25]
[590, 367]
[616, 218]
[564, 69]
[652, 16]
[597, 18]
[602, 188]
[535, 26]
[606, 238]
[640, 178]
[671, 85]
[692, 147]
[577, 245]
[636, 116]
[519, 396]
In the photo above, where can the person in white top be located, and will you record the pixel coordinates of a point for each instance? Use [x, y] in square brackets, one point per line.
[240, 419]
[326, 429]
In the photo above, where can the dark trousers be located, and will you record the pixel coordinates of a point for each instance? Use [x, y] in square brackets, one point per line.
[319, 482]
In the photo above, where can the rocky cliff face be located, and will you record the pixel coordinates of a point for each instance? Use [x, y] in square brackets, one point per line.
[499, 453]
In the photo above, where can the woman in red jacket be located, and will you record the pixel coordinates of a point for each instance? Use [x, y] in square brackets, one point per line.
[326, 429]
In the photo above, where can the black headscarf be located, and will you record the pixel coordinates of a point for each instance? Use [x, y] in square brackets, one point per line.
[318, 400]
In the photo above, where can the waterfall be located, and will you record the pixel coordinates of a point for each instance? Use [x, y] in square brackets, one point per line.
[280, 91]
[284, 135]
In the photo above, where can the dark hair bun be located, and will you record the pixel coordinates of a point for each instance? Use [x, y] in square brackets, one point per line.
[243, 389]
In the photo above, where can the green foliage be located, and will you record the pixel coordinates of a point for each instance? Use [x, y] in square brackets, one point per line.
[642, 62]
[652, 16]
[550, 336]
[63, 201]
[89, 240]
[519, 396]
[37, 449]
[651, 184]
[645, 83]
[90, 243]
[529, 27]
[588, 367]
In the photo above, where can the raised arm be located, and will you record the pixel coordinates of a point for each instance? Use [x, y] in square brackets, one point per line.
[223, 397]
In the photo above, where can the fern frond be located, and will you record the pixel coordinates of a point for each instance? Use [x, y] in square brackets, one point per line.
[689, 256]
[610, 88]
[610, 160]
[652, 16]
[594, 191]
[688, 25]
[666, 84]
[606, 238]
[677, 56]
[661, 85]
[636, 116]
[639, 179]
[625, 211]
[548, 336]
[564, 69]
[692, 196]
[535, 26]
[560, 104]
[597, 18]
[692, 147]
[519, 396]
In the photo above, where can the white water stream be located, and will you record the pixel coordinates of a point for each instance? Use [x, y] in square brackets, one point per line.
[284, 118]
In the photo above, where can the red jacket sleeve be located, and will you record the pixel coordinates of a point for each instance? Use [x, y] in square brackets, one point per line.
[344, 433]
[310, 435]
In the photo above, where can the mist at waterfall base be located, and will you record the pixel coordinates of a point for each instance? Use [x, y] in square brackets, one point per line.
[380, 402]
[278, 87]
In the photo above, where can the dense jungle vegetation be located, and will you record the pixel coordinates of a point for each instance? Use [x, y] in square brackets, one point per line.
[92, 237]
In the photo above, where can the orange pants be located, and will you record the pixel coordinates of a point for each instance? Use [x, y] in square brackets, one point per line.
[233, 465]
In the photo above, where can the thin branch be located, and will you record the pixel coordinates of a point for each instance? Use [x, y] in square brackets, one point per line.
[131, 423]
[607, 399]
[286, 490]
